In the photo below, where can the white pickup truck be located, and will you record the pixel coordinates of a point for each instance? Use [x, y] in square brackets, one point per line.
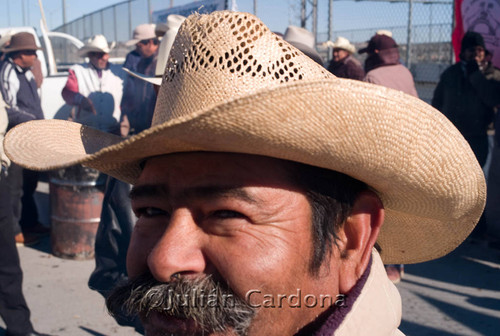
[60, 52]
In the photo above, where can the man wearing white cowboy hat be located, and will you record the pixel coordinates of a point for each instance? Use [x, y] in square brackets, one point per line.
[343, 64]
[117, 219]
[167, 31]
[139, 97]
[264, 184]
[95, 88]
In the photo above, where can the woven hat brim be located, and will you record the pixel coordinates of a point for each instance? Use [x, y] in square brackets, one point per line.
[427, 176]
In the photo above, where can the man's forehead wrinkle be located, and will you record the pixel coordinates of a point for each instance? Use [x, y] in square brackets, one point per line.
[218, 191]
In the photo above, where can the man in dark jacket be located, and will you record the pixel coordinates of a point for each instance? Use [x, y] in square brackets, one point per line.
[139, 97]
[20, 92]
[343, 64]
[462, 101]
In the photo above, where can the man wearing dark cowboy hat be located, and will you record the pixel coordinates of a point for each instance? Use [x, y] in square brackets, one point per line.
[264, 184]
[14, 310]
[19, 90]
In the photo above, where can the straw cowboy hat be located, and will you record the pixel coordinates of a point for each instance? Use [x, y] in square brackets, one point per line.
[96, 43]
[303, 40]
[171, 27]
[344, 44]
[231, 85]
[145, 31]
[21, 41]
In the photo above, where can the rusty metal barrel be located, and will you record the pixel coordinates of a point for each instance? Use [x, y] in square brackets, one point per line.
[76, 195]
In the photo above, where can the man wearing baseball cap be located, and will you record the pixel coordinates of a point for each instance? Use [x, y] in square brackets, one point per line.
[268, 191]
[383, 66]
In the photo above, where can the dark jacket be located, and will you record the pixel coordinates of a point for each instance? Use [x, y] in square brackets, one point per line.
[467, 104]
[20, 92]
[139, 97]
[349, 67]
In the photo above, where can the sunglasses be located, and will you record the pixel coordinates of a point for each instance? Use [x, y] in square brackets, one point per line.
[146, 42]
[28, 52]
[97, 54]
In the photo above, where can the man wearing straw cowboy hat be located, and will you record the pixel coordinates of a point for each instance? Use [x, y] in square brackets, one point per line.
[264, 184]
[343, 64]
[95, 88]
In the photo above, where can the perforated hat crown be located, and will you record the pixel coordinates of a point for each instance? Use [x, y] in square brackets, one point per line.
[233, 86]
[232, 48]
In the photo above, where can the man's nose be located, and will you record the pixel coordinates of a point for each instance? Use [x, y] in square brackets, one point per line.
[178, 251]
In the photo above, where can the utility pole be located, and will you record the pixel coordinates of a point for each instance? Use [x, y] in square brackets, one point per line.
[330, 27]
[255, 7]
[150, 12]
[303, 13]
[171, 3]
[64, 14]
[315, 21]
[24, 13]
[408, 39]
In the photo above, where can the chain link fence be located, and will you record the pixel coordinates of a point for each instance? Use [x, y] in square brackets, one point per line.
[421, 28]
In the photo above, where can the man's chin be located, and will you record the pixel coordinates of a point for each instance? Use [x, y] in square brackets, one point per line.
[158, 324]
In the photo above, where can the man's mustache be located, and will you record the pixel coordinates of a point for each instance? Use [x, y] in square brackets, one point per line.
[211, 304]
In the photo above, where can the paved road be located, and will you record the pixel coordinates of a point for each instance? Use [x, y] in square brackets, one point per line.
[455, 295]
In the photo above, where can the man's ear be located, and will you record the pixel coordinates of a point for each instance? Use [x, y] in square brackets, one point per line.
[358, 236]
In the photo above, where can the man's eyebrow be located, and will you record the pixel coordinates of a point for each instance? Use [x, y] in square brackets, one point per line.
[203, 192]
[220, 192]
[147, 190]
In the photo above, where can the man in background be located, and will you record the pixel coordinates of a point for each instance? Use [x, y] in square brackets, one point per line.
[343, 64]
[139, 97]
[95, 88]
[383, 65]
[466, 104]
[20, 92]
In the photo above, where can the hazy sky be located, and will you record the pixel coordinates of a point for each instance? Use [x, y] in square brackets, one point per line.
[277, 14]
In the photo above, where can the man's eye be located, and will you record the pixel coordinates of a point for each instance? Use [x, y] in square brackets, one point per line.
[226, 214]
[149, 212]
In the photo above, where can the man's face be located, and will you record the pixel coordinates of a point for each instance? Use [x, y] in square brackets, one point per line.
[236, 218]
[339, 54]
[474, 53]
[99, 59]
[26, 58]
[147, 48]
